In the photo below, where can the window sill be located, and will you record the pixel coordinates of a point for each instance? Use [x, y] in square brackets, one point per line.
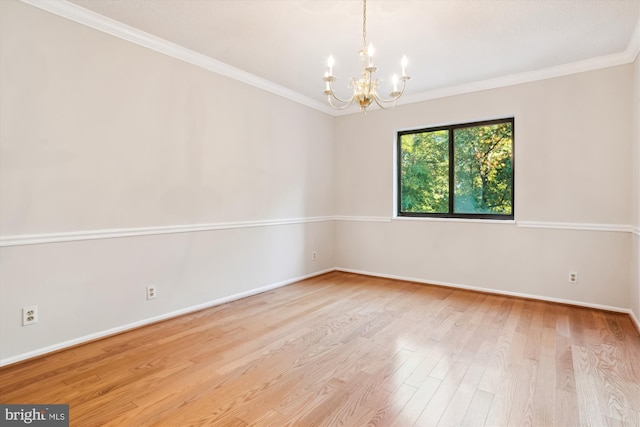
[471, 220]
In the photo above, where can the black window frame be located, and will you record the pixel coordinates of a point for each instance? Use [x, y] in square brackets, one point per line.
[451, 213]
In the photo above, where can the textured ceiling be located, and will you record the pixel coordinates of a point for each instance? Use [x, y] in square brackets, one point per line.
[448, 42]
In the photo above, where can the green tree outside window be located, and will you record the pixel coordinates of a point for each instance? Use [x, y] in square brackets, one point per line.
[461, 170]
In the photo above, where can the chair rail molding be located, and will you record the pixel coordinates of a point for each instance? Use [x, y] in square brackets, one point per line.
[72, 236]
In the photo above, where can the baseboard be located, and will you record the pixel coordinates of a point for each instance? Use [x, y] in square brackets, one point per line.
[213, 303]
[124, 328]
[492, 291]
[634, 320]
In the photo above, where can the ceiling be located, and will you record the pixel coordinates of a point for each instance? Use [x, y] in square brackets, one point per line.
[449, 43]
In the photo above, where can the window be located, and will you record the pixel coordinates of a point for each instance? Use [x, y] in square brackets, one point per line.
[457, 171]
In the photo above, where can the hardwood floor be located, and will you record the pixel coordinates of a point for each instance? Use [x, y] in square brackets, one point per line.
[350, 350]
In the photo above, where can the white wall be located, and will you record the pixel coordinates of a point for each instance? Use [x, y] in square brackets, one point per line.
[99, 134]
[635, 196]
[103, 138]
[572, 170]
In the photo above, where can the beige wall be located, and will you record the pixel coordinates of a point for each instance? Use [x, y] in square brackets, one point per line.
[572, 170]
[635, 195]
[99, 134]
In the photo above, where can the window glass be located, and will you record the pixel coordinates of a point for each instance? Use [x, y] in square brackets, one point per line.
[457, 171]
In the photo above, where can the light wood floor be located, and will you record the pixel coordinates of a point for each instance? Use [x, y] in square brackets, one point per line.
[350, 350]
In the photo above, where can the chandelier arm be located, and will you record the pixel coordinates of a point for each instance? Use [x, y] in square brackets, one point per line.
[337, 98]
[393, 98]
[338, 107]
[380, 101]
[365, 88]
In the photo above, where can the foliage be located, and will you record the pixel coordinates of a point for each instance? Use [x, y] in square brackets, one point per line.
[425, 172]
[482, 170]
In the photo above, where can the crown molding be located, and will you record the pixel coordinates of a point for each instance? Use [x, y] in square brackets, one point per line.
[526, 77]
[633, 48]
[115, 28]
[627, 56]
[99, 22]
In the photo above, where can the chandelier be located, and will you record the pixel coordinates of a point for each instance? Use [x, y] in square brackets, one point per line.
[365, 89]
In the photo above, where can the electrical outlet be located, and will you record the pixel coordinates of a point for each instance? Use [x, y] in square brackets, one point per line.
[314, 256]
[573, 277]
[29, 315]
[151, 292]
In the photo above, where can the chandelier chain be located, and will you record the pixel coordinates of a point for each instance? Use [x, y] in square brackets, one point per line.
[365, 89]
[364, 23]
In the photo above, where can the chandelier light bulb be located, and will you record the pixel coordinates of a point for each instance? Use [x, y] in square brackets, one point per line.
[365, 89]
[330, 63]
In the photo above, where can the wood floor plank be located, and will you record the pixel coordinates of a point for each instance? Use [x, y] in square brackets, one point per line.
[447, 389]
[522, 412]
[507, 382]
[601, 373]
[416, 405]
[388, 412]
[544, 398]
[460, 402]
[478, 409]
[343, 349]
